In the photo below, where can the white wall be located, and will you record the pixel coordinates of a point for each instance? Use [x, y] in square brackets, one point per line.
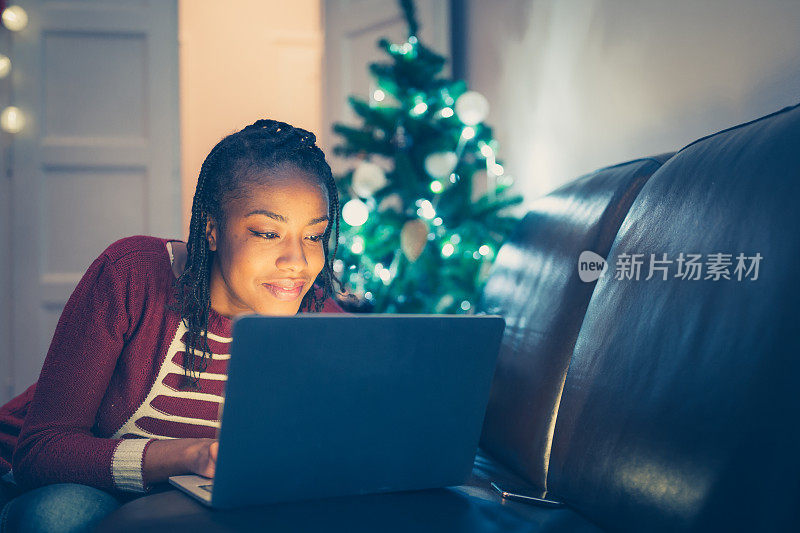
[241, 61]
[578, 84]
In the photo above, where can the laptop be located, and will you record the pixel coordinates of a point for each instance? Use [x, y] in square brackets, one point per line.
[325, 405]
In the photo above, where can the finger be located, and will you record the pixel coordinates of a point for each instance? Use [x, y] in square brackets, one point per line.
[213, 450]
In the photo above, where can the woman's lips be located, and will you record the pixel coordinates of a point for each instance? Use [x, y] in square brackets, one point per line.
[285, 291]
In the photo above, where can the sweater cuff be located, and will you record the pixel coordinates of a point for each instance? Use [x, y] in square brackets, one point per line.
[126, 465]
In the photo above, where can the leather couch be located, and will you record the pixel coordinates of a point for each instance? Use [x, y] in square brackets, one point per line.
[661, 404]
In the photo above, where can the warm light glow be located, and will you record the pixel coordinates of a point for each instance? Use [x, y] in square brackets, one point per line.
[12, 120]
[498, 170]
[486, 150]
[436, 186]
[456, 238]
[437, 221]
[472, 108]
[420, 108]
[484, 250]
[426, 209]
[468, 133]
[5, 66]
[355, 212]
[378, 95]
[447, 112]
[448, 249]
[15, 18]
[358, 245]
[465, 305]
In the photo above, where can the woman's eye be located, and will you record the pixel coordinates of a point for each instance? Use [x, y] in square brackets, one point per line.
[265, 235]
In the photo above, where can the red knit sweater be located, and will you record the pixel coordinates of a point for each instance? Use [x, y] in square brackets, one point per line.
[109, 384]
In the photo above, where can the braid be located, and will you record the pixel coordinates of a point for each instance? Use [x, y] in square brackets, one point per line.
[262, 146]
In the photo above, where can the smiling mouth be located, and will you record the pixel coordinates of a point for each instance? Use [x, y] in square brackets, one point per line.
[285, 291]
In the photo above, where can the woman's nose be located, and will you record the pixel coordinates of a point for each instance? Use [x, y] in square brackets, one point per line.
[292, 256]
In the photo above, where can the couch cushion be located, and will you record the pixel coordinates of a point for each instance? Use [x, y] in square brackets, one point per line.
[471, 508]
[534, 284]
[680, 409]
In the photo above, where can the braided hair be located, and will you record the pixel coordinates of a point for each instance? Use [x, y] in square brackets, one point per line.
[241, 159]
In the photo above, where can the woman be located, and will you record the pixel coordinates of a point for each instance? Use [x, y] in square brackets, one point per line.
[131, 388]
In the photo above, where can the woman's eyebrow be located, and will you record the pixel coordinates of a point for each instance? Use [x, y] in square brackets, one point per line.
[282, 218]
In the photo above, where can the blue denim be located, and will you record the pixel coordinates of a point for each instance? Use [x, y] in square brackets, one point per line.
[63, 507]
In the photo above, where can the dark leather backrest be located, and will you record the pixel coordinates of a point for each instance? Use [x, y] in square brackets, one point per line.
[681, 406]
[535, 286]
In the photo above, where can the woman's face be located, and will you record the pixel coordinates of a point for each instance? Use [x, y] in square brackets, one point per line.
[269, 251]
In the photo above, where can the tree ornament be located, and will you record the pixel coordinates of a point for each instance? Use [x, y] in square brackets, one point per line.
[440, 164]
[472, 108]
[368, 177]
[413, 238]
[355, 212]
[391, 201]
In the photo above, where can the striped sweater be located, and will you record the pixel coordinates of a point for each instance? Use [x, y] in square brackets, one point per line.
[110, 382]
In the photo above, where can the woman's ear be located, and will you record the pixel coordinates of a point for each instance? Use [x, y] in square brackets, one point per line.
[211, 234]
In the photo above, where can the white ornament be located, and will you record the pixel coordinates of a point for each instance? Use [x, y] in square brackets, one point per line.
[472, 108]
[393, 202]
[368, 178]
[440, 164]
[355, 212]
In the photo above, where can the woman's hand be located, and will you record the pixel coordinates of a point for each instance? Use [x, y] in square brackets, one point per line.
[202, 457]
[174, 457]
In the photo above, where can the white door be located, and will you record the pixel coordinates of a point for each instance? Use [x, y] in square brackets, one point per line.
[352, 30]
[98, 159]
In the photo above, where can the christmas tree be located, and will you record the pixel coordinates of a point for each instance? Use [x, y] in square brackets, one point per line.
[423, 207]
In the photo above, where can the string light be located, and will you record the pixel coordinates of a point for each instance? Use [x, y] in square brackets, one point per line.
[358, 245]
[437, 221]
[465, 305]
[447, 112]
[5, 66]
[436, 186]
[378, 95]
[484, 250]
[448, 249]
[15, 18]
[12, 120]
[420, 108]
[426, 209]
[468, 133]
